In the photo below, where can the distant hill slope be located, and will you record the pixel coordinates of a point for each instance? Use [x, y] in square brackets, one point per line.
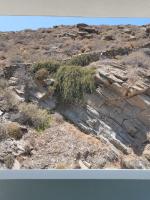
[62, 42]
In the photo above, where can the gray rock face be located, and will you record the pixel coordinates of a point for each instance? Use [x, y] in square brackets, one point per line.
[121, 113]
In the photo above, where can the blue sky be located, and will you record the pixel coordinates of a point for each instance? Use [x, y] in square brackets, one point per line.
[16, 23]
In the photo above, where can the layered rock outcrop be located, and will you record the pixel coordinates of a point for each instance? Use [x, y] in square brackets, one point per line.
[119, 110]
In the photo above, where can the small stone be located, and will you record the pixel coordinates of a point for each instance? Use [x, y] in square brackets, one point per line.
[82, 165]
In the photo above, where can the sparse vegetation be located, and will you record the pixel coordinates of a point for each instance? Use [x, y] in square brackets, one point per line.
[34, 116]
[137, 59]
[51, 66]
[72, 82]
[9, 161]
[83, 59]
[13, 129]
[9, 100]
[62, 165]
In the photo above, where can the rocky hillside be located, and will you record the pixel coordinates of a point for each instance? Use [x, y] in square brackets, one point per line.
[75, 97]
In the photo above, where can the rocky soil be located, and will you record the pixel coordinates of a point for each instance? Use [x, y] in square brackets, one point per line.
[111, 129]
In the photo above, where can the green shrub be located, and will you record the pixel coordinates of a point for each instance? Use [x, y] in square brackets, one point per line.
[34, 116]
[83, 59]
[51, 66]
[72, 82]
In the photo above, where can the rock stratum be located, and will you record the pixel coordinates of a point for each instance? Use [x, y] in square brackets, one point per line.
[110, 130]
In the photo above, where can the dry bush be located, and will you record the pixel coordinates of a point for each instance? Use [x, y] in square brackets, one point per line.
[41, 74]
[58, 118]
[9, 161]
[136, 63]
[62, 165]
[137, 59]
[132, 73]
[72, 49]
[9, 100]
[83, 59]
[34, 116]
[14, 130]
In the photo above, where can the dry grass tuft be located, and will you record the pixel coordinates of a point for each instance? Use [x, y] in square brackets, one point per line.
[41, 74]
[34, 116]
[14, 130]
[137, 59]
